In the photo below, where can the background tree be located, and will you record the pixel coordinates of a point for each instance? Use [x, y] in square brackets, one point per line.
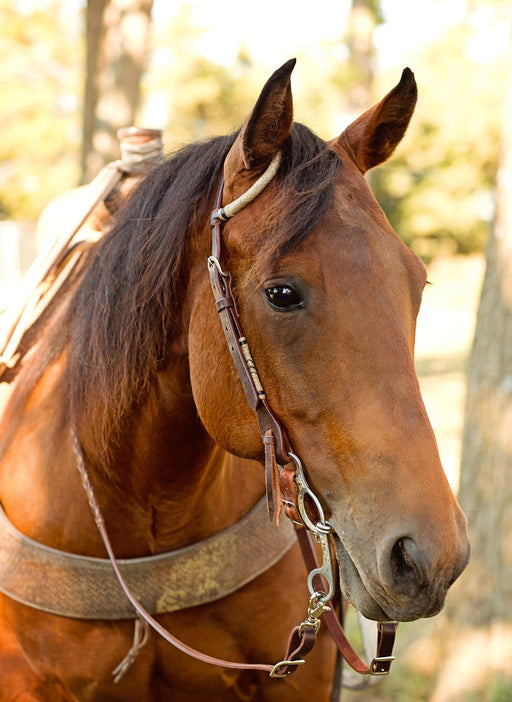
[117, 34]
[478, 647]
[486, 470]
[363, 19]
[41, 63]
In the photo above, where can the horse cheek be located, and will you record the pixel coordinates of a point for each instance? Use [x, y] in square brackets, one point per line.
[217, 391]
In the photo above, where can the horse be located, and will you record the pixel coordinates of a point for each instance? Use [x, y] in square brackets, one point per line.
[129, 389]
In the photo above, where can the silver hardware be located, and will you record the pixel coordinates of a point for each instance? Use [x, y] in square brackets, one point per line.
[381, 659]
[316, 608]
[304, 491]
[319, 530]
[275, 674]
[326, 569]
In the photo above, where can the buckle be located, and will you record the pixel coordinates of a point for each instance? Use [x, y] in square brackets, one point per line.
[385, 661]
[275, 674]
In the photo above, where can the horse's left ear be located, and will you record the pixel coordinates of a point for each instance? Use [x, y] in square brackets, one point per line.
[373, 137]
[266, 129]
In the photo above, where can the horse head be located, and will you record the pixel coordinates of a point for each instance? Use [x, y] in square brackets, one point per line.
[328, 295]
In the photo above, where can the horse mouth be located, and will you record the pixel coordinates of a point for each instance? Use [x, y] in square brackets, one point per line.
[352, 586]
[378, 604]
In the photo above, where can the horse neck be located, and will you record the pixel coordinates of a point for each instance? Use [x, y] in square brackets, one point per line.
[173, 485]
[167, 485]
[176, 476]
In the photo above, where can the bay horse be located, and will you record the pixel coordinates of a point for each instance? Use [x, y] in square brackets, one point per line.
[130, 388]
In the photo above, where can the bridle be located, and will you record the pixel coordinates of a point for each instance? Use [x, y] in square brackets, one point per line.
[284, 474]
[302, 506]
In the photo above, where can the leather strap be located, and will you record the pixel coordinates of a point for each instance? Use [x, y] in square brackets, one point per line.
[221, 284]
[142, 613]
[242, 358]
[300, 643]
[386, 631]
[82, 587]
[275, 440]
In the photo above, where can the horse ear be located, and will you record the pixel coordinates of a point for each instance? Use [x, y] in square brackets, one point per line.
[265, 130]
[373, 137]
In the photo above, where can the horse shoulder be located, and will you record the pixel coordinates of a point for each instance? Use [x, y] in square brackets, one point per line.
[20, 682]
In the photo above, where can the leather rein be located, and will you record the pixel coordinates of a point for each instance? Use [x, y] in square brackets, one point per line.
[301, 505]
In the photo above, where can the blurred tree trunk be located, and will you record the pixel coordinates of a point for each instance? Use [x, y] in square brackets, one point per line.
[362, 21]
[363, 18]
[117, 46]
[475, 645]
[485, 591]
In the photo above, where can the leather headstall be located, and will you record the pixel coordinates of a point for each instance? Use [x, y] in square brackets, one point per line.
[275, 440]
[307, 516]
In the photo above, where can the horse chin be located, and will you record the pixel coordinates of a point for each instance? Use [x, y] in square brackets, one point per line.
[353, 588]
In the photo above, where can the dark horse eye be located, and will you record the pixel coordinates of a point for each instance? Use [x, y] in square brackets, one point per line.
[283, 297]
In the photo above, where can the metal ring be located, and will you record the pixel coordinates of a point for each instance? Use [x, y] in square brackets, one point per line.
[322, 526]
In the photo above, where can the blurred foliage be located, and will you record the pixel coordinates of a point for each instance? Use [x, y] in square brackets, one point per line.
[198, 97]
[437, 190]
[408, 684]
[497, 689]
[41, 77]
[201, 98]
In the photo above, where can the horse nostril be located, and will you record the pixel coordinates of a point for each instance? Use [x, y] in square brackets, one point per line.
[408, 564]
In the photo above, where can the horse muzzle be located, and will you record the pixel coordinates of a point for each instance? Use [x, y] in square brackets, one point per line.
[405, 582]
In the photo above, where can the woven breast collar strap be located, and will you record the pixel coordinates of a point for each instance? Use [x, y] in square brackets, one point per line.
[82, 587]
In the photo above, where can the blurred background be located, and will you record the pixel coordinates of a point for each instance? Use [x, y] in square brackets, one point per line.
[73, 72]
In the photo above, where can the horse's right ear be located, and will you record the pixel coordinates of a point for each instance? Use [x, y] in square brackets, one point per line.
[265, 130]
[373, 137]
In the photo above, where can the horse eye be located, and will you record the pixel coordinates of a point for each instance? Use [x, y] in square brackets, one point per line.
[284, 297]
